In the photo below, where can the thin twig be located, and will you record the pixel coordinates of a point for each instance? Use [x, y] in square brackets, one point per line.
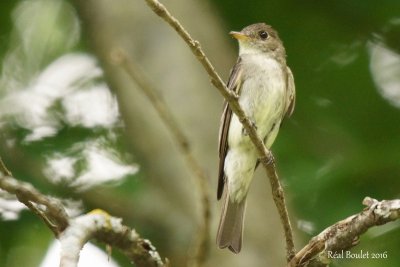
[4, 169]
[345, 234]
[200, 249]
[264, 154]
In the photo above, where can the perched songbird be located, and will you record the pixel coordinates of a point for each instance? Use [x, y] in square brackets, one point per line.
[266, 93]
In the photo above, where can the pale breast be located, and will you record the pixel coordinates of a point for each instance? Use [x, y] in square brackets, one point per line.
[263, 91]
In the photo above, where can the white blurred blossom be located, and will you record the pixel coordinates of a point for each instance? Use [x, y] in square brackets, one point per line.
[385, 71]
[90, 255]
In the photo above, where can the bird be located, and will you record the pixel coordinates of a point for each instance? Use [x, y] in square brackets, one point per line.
[266, 93]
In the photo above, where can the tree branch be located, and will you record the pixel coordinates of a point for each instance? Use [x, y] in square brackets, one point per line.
[109, 230]
[345, 234]
[74, 233]
[265, 155]
[200, 249]
[50, 210]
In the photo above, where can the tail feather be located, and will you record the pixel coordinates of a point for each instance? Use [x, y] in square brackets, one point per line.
[230, 229]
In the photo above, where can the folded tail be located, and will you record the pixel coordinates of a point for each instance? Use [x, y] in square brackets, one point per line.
[230, 229]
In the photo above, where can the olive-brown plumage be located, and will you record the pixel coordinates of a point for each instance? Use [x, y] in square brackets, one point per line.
[266, 94]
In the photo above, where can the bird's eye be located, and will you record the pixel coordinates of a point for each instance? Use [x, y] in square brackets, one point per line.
[263, 34]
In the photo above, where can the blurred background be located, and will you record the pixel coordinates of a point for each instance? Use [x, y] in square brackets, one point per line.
[78, 128]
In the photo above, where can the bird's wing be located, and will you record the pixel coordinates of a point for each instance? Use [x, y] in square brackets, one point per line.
[234, 84]
[291, 93]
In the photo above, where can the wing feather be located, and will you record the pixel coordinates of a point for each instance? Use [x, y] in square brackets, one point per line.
[233, 84]
[291, 93]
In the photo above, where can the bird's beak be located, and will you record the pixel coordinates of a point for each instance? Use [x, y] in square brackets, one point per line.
[239, 35]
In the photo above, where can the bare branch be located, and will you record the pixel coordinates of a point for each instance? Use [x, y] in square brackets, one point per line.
[50, 210]
[264, 154]
[200, 249]
[109, 230]
[345, 234]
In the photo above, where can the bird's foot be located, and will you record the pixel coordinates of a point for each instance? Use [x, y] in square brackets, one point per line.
[271, 158]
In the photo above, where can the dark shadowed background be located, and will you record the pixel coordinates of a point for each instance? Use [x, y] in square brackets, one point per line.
[77, 127]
